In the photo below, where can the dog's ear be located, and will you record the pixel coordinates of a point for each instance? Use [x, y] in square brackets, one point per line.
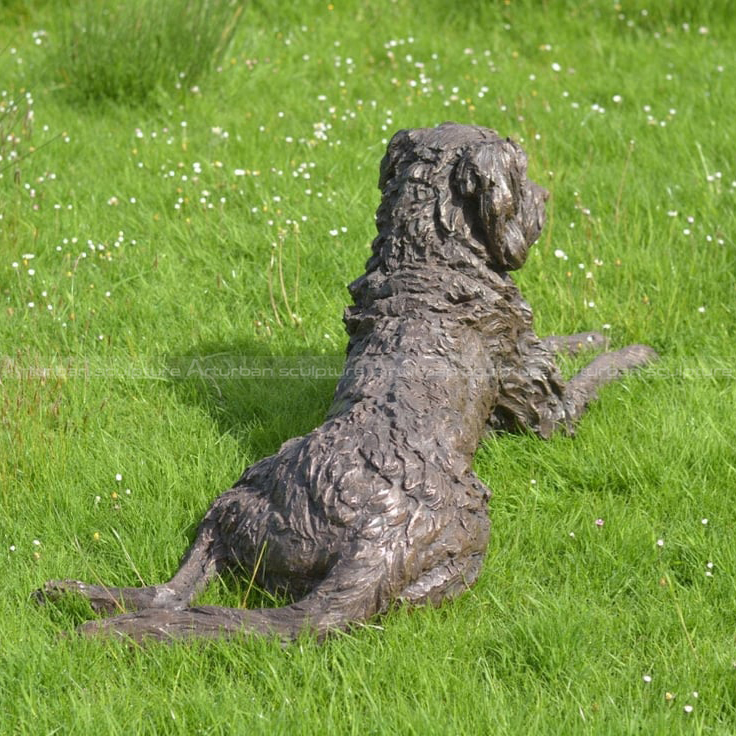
[398, 145]
[490, 179]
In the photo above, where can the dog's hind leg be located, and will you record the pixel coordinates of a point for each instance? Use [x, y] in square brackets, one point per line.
[356, 588]
[445, 581]
[204, 559]
[454, 561]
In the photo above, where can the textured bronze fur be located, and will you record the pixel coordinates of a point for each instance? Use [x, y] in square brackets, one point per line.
[380, 503]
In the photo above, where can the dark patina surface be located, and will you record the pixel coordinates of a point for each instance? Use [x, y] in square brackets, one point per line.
[380, 503]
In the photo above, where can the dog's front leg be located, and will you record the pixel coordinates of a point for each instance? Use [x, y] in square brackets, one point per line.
[534, 397]
[573, 344]
[582, 388]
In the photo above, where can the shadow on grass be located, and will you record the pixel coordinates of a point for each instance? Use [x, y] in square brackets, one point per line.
[237, 588]
[261, 398]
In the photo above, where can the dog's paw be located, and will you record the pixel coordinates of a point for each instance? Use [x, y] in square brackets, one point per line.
[574, 344]
[591, 340]
[53, 590]
[100, 599]
[636, 356]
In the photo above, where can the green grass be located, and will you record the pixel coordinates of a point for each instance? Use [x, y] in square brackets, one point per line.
[226, 221]
[177, 43]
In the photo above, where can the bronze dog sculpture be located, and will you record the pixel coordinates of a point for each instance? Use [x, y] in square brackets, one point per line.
[380, 503]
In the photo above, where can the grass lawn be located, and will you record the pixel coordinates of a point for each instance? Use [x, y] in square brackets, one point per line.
[166, 203]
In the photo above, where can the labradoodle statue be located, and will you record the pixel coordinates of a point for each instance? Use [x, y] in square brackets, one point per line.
[380, 503]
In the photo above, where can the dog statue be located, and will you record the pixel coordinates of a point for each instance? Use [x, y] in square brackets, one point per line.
[380, 504]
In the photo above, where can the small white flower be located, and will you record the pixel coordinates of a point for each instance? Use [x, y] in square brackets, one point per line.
[660, 543]
[118, 477]
[688, 708]
[647, 678]
[704, 522]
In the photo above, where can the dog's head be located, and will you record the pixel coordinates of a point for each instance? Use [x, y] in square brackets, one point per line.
[482, 192]
[503, 208]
